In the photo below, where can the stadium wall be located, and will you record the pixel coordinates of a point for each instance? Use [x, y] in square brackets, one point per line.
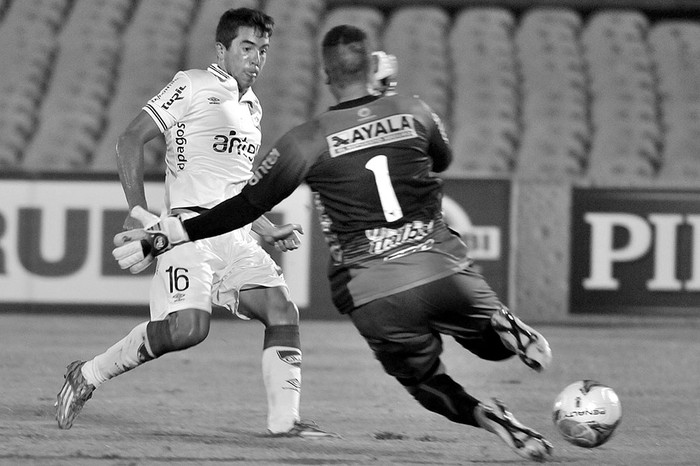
[550, 250]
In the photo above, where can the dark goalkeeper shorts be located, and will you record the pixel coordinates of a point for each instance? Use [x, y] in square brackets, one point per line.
[404, 330]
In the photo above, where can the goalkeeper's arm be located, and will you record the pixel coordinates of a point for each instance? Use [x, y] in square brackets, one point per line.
[136, 249]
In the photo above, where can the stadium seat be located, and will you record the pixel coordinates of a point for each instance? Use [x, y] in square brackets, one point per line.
[675, 48]
[73, 110]
[556, 131]
[417, 36]
[154, 45]
[286, 87]
[28, 35]
[627, 134]
[484, 128]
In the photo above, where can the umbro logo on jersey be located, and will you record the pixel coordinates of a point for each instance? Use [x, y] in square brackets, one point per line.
[214, 100]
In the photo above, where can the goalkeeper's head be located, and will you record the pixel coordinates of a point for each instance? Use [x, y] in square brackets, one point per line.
[346, 59]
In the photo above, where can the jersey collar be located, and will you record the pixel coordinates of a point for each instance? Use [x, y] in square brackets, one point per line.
[230, 83]
[355, 102]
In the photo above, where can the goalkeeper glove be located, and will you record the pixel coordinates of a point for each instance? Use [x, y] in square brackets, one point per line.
[386, 68]
[136, 249]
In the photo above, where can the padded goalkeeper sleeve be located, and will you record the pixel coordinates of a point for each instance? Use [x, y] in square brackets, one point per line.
[226, 216]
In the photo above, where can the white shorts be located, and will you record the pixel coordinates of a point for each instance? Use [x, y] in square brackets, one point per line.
[213, 270]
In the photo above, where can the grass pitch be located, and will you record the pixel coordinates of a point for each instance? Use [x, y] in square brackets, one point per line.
[206, 405]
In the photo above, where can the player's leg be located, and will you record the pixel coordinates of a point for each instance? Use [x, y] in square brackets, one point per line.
[281, 360]
[255, 282]
[399, 331]
[474, 315]
[281, 355]
[180, 318]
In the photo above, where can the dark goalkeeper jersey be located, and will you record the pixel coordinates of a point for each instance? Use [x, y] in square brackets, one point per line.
[369, 163]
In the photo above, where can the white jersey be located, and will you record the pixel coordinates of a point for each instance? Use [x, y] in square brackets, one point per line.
[212, 137]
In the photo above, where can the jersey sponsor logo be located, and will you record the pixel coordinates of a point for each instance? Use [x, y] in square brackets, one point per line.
[177, 95]
[427, 246]
[388, 129]
[180, 143]
[291, 357]
[214, 100]
[234, 142]
[385, 239]
[265, 166]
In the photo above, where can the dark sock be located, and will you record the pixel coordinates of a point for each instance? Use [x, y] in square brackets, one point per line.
[282, 335]
[440, 394]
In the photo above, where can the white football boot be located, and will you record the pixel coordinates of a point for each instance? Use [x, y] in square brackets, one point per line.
[526, 342]
[73, 395]
[307, 430]
[520, 438]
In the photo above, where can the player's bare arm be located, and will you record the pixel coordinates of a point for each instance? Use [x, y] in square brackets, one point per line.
[130, 162]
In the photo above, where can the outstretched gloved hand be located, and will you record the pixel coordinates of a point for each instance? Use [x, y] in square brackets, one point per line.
[136, 249]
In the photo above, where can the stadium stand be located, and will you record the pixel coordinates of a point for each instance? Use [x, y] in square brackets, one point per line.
[417, 36]
[627, 134]
[153, 47]
[675, 47]
[592, 95]
[289, 76]
[556, 132]
[72, 114]
[28, 38]
[484, 120]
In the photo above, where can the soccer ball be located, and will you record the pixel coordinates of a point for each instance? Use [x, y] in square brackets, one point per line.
[586, 413]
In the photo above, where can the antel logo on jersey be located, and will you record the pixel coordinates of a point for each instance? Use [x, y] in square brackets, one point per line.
[374, 133]
[268, 162]
[177, 95]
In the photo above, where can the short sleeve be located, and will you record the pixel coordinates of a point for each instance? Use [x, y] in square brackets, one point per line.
[171, 103]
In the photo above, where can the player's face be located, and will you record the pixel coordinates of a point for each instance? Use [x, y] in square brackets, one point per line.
[245, 57]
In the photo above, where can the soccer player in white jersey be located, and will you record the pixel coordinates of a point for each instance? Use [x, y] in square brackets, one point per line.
[211, 122]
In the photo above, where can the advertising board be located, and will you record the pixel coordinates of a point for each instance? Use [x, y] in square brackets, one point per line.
[635, 250]
[56, 242]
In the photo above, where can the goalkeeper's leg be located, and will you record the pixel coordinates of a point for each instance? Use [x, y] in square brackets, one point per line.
[442, 395]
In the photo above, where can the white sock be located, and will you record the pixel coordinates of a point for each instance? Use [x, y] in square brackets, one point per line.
[119, 358]
[281, 367]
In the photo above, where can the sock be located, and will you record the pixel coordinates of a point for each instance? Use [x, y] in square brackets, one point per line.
[128, 353]
[281, 367]
[440, 394]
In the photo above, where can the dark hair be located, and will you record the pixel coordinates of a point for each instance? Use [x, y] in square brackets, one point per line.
[232, 19]
[345, 55]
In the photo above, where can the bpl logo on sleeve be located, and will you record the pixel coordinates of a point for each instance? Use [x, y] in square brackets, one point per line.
[635, 248]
